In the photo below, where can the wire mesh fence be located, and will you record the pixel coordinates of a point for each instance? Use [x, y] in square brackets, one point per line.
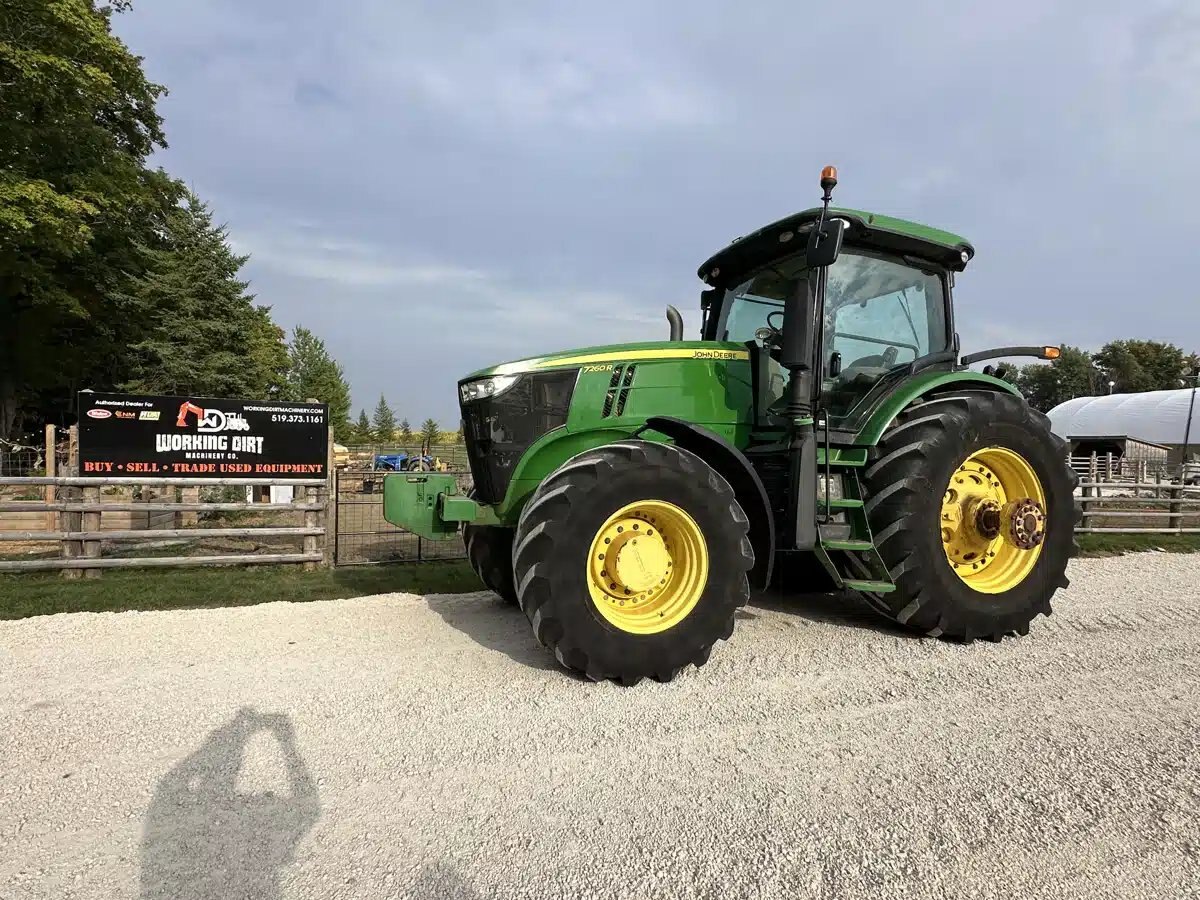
[403, 457]
[365, 537]
[20, 460]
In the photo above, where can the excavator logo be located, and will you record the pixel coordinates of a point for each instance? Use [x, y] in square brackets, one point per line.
[210, 420]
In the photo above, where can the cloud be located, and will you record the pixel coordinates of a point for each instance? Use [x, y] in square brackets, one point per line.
[346, 263]
[439, 187]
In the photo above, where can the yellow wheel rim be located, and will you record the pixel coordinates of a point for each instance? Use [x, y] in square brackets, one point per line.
[647, 567]
[993, 520]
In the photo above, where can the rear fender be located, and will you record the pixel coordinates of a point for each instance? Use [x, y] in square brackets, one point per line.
[924, 385]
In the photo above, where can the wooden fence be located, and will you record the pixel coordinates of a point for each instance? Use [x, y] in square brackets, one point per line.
[78, 505]
[68, 510]
[1140, 507]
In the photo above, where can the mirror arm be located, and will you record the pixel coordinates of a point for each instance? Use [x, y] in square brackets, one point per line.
[997, 352]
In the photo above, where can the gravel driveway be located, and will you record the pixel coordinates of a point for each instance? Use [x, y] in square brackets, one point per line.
[400, 746]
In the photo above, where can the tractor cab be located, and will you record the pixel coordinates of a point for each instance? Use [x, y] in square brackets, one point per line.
[879, 311]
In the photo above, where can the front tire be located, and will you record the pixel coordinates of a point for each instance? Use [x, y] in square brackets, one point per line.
[954, 577]
[489, 551]
[609, 606]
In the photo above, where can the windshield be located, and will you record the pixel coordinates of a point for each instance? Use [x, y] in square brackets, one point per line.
[747, 306]
[880, 315]
[879, 312]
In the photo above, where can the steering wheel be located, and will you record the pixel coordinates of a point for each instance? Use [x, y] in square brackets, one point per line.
[871, 368]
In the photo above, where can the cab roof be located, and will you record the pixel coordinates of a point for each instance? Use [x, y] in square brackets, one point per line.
[866, 229]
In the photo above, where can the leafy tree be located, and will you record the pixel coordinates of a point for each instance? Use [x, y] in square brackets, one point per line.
[429, 433]
[1071, 375]
[1137, 365]
[203, 335]
[406, 433]
[314, 373]
[77, 201]
[362, 429]
[384, 422]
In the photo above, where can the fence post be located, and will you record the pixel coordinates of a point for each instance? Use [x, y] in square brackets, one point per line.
[51, 471]
[310, 521]
[329, 516]
[72, 521]
[1175, 519]
[188, 518]
[91, 522]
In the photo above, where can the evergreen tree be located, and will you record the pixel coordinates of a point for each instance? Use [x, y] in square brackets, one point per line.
[203, 334]
[314, 373]
[362, 428]
[384, 422]
[269, 355]
[429, 433]
[406, 433]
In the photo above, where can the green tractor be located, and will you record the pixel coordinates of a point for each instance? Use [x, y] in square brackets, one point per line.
[825, 428]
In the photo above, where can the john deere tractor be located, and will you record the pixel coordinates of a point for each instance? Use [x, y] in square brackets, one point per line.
[825, 425]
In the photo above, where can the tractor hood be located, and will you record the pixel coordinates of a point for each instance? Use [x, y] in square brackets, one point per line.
[610, 354]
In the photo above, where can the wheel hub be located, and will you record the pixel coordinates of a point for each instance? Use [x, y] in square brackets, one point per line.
[987, 519]
[1026, 523]
[637, 558]
[647, 567]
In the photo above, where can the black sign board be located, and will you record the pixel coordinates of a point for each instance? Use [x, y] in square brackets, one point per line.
[197, 437]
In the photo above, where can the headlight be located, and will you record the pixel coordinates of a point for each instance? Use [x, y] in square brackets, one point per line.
[486, 387]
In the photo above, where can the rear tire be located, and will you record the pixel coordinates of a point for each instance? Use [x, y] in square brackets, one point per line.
[904, 486]
[558, 534]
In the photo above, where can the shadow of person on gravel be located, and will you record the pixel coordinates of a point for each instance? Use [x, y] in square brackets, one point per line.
[202, 838]
[492, 623]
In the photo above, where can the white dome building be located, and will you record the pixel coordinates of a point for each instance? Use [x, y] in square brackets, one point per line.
[1151, 418]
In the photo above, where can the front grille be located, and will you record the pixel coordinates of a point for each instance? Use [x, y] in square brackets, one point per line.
[498, 430]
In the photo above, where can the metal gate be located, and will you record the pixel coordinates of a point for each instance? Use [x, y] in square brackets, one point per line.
[364, 537]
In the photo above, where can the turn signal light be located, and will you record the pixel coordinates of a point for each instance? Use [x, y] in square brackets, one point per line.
[1051, 352]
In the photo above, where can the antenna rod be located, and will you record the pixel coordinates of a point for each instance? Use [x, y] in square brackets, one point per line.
[828, 183]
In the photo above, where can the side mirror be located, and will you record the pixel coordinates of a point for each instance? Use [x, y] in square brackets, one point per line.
[825, 243]
[709, 297]
[835, 364]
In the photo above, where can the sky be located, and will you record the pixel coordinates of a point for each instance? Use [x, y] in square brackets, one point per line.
[436, 187]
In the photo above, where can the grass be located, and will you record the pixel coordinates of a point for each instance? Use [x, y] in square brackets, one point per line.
[22, 596]
[1118, 544]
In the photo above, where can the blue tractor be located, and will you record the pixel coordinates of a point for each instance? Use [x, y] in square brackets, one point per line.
[403, 462]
